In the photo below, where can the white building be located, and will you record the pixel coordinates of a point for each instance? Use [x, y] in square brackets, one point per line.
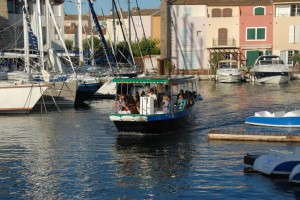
[49, 33]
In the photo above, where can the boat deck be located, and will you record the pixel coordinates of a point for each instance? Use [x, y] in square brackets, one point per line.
[252, 136]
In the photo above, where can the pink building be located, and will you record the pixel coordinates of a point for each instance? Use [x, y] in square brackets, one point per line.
[256, 32]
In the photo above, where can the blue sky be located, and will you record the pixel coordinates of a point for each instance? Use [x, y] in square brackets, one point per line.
[106, 5]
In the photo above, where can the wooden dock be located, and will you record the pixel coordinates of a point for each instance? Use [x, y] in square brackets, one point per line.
[253, 136]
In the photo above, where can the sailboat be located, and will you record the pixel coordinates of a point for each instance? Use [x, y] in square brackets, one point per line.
[20, 95]
[108, 89]
[69, 88]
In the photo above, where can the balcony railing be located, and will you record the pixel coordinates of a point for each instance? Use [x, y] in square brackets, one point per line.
[229, 42]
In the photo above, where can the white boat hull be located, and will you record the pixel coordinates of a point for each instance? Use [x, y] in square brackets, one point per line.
[229, 78]
[294, 176]
[20, 98]
[277, 162]
[272, 79]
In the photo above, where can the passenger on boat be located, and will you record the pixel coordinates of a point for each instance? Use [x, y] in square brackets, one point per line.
[152, 94]
[121, 103]
[166, 104]
[181, 102]
[143, 93]
[135, 106]
[167, 90]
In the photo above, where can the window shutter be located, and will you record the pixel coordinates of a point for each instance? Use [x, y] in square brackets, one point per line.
[250, 34]
[216, 12]
[291, 34]
[259, 11]
[297, 34]
[261, 33]
[227, 12]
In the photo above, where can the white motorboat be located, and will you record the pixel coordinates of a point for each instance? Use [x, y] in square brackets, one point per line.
[20, 97]
[228, 72]
[277, 162]
[270, 69]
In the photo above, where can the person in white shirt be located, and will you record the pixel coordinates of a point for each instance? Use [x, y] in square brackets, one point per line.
[152, 94]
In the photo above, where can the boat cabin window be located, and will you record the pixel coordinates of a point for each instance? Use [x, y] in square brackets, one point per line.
[266, 62]
[227, 65]
[278, 62]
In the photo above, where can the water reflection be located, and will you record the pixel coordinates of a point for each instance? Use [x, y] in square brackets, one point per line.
[152, 161]
[79, 154]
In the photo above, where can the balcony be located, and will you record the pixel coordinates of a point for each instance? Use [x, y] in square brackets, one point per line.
[218, 42]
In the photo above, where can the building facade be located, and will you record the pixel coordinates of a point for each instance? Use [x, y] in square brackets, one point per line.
[49, 33]
[203, 32]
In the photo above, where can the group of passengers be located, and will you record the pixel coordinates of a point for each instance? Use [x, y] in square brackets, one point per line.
[128, 104]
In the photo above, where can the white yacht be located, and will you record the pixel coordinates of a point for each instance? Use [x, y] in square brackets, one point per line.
[270, 69]
[20, 97]
[228, 72]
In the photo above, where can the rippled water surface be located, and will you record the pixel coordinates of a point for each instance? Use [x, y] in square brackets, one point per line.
[78, 154]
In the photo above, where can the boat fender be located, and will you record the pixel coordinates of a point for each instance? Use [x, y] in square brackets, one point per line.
[127, 118]
[140, 119]
[115, 118]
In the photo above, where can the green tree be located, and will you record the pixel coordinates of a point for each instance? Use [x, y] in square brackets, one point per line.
[296, 58]
[147, 46]
[69, 44]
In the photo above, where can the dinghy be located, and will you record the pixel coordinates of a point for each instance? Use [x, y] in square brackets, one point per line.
[278, 119]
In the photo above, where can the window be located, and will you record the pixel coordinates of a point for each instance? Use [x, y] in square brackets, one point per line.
[222, 36]
[294, 34]
[216, 12]
[199, 33]
[259, 11]
[290, 55]
[10, 6]
[227, 12]
[18, 7]
[256, 33]
[295, 10]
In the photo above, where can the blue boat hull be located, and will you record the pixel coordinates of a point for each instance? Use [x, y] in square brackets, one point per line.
[159, 123]
[288, 122]
[85, 91]
[285, 167]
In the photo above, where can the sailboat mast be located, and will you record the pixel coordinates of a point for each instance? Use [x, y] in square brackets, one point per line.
[114, 24]
[26, 36]
[80, 34]
[40, 41]
[129, 25]
[92, 38]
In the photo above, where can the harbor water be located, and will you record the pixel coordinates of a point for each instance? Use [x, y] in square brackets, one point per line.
[78, 153]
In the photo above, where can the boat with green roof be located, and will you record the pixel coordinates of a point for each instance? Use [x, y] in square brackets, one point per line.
[160, 111]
